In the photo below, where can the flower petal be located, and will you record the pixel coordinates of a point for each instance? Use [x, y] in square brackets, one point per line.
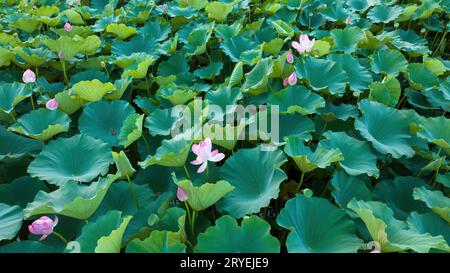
[202, 167]
[217, 157]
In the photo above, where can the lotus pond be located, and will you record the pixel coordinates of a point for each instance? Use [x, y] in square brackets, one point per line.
[116, 136]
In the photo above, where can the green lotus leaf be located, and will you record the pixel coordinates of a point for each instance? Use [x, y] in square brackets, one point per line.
[296, 99]
[384, 14]
[342, 111]
[358, 76]
[6, 57]
[10, 221]
[346, 187]
[197, 40]
[388, 61]
[122, 31]
[93, 90]
[398, 195]
[436, 66]
[435, 200]
[21, 191]
[11, 94]
[104, 120]
[256, 176]
[67, 103]
[225, 97]
[173, 221]
[158, 242]
[225, 136]
[176, 96]
[420, 77]
[27, 247]
[429, 223]
[236, 75]
[228, 31]
[252, 236]
[206, 195]
[120, 86]
[387, 91]
[256, 80]
[317, 226]
[295, 125]
[283, 28]
[78, 158]
[435, 130]
[15, 146]
[409, 41]
[138, 68]
[322, 74]
[171, 153]
[358, 156]
[41, 124]
[32, 56]
[346, 39]
[175, 65]
[210, 71]
[240, 48]
[307, 160]
[25, 23]
[72, 46]
[73, 200]
[131, 130]
[162, 122]
[112, 243]
[386, 128]
[218, 11]
[123, 165]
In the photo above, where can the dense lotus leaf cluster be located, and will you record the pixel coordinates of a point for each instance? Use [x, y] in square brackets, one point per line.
[88, 161]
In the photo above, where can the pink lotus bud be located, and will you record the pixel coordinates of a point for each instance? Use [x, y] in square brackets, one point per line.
[289, 57]
[52, 104]
[165, 8]
[292, 79]
[61, 54]
[348, 20]
[43, 226]
[28, 76]
[68, 27]
[285, 82]
[181, 194]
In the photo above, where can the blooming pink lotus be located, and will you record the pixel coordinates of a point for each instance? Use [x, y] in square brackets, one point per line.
[291, 80]
[289, 57]
[181, 194]
[28, 76]
[204, 154]
[43, 226]
[52, 104]
[304, 44]
[68, 27]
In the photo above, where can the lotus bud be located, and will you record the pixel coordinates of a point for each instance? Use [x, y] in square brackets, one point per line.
[43, 226]
[68, 27]
[102, 64]
[289, 57]
[52, 104]
[181, 194]
[61, 55]
[348, 20]
[28, 76]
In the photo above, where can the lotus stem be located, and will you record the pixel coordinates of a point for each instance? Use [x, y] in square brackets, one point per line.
[63, 65]
[136, 201]
[301, 181]
[60, 237]
[187, 172]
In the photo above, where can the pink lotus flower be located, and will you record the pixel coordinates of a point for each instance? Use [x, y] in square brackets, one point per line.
[61, 54]
[348, 20]
[289, 57]
[68, 27]
[28, 76]
[204, 154]
[43, 226]
[52, 104]
[304, 44]
[291, 80]
[181, 194]
[165, 8]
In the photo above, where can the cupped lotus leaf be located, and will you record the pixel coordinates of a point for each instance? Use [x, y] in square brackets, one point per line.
[162, 122]
[420, 77]
[409, 41]
[387, 91]
[358, 76]
[93, 90]
[73, 200]
[16, 146]
[236, 75]
[138, 67]
[176, 96]
[436, 130]
[274, 46]
[296, 99]
[72, 46]
[346, 39]
[388, 61]
[386, 128]
[123, 165]
[158, 242]
[206, 195]
[256, 80]
[436, 66]
[171, 153]
[323, 74]
[6, 57]
[112, 243]
[342, 111]
[346, 187]
[429, 223]
[33, 56]
[398, 195]
[122, 31]
[78, 158]
[41, 124]
[11, 94]
[210, 71]
[317, 226]
[131, 129]
[10, 221]
[226, 236]
[197, 40]
[283, 28]
[104, 120]
[307, 160]
[256, 176]
[237, 47]
[384, 14]
[175, 65]
[67, 103]
[320, 48]
[435, 200]
[358, 156]
[218, 11]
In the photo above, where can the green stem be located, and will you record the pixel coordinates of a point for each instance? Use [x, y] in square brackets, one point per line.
[301, 182]
[193, 225]
[60, 237]
[63, 65]
[32, 102]
[136, 201]
[146, 142]
[187, 172]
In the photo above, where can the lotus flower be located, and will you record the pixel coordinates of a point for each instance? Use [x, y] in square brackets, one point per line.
[43, 226]
[61, 54]
[291, 80]
[289, 57]
[181, 194]
[68, 27]
[28, 76]
[165, 8]
[204, 154]
[348, 20]
[52, 104]
[304, 44]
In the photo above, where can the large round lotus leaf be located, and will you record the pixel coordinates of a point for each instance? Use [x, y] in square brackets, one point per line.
[210, 71]
[342, 111]
[436, 130]
[171, 153]
[323, 74]
[93, 90]
[67, 103]
[256, 176]
[41, 124]
[387, 91]
[317, 226]
[6, 57]
[21, 191]
[420, 77]
[72, 46]
[175, 65]
[15, 146]
[296, 99]
[388, 61]
[112, 243]
[409, 41]
[429, 223]
[32, 56]
[435, 200]
[78, 158]
[346, 39]
[197, 40]
[398, 195]
[386, 128]
[384, 14]
[226, 98]
[104, 120]
[200, 198]
[122, 31]
[10, 221]
[137, 69]
[252, 236]
[347, 187]
[358, 76]
[157, 242]
[257, 79]
[11, 94]
[237, 47]
[73, 200]
[176, 96]
[218, 11]
[358, 157]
